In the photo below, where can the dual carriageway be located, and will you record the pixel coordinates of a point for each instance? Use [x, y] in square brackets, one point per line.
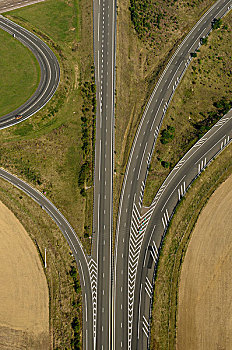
[117, 286]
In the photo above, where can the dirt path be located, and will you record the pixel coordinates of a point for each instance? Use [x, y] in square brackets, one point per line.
[24, 297]
[205, 293]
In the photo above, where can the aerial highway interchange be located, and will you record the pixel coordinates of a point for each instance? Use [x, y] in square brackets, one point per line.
[117, 285]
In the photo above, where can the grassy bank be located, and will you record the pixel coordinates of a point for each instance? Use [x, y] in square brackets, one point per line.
[19, 73]
[203, 97]
[64, 292]
[50, 149]
[164, 314]
[141, 57]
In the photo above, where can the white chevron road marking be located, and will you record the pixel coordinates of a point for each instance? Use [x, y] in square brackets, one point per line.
[137, 229]
[93, 280]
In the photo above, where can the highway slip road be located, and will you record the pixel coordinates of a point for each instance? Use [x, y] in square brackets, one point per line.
[104, 56]
[50, 73]
[9, 5]
[75, 245]
[129, 237]
[154, 222]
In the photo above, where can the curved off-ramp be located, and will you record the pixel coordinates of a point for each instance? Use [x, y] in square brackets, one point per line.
[50, 73]
[50, 76]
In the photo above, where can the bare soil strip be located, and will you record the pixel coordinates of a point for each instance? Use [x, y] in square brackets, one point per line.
[24, 297]
[205, 304]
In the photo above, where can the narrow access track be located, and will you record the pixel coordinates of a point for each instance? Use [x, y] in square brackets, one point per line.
[130, 236]
[50, 75]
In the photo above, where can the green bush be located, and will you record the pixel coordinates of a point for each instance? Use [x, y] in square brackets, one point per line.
[204, 41]
[75, 342]
[216, 23]
[167, 135]
[165, 164]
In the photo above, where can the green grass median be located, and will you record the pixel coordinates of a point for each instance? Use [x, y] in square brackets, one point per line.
[19, 73]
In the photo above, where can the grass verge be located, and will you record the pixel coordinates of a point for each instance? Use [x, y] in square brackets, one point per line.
[141, 59]
[49, 150]
[203, 97]
[64, 289]
[19, 73]
[164, 313]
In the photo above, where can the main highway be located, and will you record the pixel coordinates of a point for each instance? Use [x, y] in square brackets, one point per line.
[131, 226]
[104, 57]
[117, 315]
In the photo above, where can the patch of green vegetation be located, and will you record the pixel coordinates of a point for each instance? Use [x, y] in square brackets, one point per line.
[200, 100]
[88, 91]
[23, 129]
[75, 341]
[193, 54]
[19, 73]
[56, 18]
[204, 41]
[209, 119]
[217, 23]
[150, 17]
[175, 244]
[165, 164]
[167, 134]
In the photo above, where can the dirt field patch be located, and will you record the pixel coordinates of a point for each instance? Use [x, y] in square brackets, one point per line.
[205, 308]
[24, 297]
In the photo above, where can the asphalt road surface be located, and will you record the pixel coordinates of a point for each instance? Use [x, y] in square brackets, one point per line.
[154, 221]
[104, 56]
[129, 249]
[140, 230]
[9, 5]
[50, 73]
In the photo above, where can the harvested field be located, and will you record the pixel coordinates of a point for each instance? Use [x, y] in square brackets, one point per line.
[24, 297]
[205, 308]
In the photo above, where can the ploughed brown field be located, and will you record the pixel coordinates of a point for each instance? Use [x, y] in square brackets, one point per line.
[205, 293]
[24, 297]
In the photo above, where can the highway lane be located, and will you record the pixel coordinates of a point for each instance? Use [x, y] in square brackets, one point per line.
[156, 218]
[50, 73]
[129, 237]
[104, 56]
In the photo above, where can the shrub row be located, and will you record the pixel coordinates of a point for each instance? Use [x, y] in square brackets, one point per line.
[75, 341]
[88, 94]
